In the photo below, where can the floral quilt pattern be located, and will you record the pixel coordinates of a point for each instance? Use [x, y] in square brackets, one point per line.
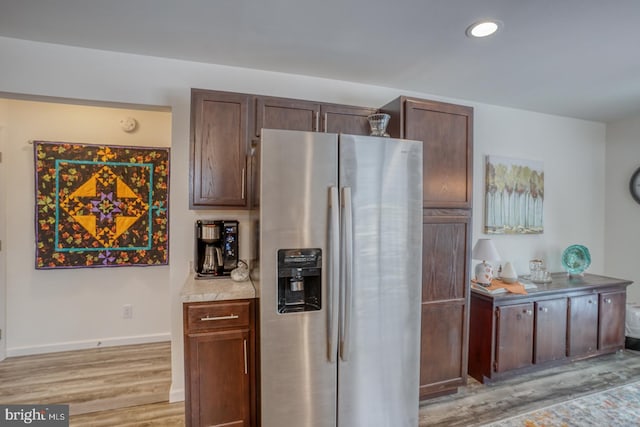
[101, 205]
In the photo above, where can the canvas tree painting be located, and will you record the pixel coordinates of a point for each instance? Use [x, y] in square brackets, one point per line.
[514, 196]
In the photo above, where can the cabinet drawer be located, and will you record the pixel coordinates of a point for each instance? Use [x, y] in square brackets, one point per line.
[200, 317]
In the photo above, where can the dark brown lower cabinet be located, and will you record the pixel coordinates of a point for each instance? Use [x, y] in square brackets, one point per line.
[442, 347]
[514, 336]
[219, 344]
[568, 319]
[445, 301]
[221, 387]
[583, 321]
[551, 327]
[611, 331]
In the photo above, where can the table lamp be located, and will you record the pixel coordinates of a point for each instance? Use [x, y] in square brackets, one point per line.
[486, 251]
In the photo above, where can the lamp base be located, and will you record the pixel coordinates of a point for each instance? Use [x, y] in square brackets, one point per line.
[484, 273]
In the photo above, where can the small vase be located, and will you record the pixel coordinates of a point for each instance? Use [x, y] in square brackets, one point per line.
[378, 123]
[508, 273]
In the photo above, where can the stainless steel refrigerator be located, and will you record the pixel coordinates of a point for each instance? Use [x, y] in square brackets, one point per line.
[339, 279]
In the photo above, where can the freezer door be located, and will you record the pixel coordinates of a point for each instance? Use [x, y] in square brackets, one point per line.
[378, 372]
[298, 379]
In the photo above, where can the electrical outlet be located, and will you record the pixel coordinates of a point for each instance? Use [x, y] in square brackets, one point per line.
[127, 311]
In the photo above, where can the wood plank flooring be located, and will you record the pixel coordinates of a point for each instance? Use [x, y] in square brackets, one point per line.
[89, 380]
[478, 404]
[129, 386]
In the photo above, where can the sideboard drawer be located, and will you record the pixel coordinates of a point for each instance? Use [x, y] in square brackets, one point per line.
[215, 315]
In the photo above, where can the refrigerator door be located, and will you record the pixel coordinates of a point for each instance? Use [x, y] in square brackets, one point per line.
[298, 379]
[378, 371]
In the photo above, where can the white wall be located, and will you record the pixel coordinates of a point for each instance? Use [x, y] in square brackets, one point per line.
[573, 150]
[622, 225]
[52, 310]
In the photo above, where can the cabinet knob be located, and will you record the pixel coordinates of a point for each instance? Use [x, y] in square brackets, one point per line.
[544, 309]
[607, 300]
[529, 312]
[590, 302]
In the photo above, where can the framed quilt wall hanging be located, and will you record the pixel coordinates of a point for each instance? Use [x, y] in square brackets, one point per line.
[100, 205]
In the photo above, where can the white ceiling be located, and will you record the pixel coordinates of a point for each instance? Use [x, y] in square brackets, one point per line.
[576, 58]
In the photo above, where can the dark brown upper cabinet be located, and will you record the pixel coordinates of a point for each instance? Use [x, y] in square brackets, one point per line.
[289, 114]
[345, 119]
[219, 139]
[225, 140]
[446, 131]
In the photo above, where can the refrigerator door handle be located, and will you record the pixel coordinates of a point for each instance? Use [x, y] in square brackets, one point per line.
[334, 274]
[346, 288]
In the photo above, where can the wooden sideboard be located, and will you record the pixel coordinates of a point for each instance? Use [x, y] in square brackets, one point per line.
[568, 319]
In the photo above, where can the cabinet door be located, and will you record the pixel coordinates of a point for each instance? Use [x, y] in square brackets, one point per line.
[514, 337]
[345, 119]
[583, 325]
[445, 255]
[611, 320]
[289, 114]
[550, 330]
[219, 137]
[445, 301]
[447, 133]
[443, 347]
[219, 378]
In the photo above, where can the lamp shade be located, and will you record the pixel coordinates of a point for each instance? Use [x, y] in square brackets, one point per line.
[485, 250]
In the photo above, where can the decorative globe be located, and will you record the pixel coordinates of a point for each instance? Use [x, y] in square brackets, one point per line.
[576, 259]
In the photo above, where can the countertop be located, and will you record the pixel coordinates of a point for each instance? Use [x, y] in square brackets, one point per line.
[561, 283]
[216, 289]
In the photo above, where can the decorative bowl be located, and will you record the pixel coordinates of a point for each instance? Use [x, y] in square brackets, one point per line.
[378, 123]
[576, 259]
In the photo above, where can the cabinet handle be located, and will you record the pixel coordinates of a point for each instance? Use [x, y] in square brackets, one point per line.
[324, 123]
[245, 357]
[243, 169]
[229, 317]
[607, 300]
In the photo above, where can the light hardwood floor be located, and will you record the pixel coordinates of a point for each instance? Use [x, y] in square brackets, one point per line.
[129, 386]
[110, 386]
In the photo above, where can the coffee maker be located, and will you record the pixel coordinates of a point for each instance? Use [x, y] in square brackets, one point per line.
[216, 251]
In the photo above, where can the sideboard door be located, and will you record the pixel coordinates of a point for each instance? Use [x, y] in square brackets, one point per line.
[514, 333]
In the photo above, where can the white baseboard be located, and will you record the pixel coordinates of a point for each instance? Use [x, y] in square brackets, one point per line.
[176, 395]
[87, 344]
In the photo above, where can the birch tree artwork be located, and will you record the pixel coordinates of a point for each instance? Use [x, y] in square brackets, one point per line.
[514, 196]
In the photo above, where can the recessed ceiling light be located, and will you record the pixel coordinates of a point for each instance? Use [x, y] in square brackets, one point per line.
[483, 28]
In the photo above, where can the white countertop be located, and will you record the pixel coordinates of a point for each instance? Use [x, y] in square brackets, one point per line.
[216, 289]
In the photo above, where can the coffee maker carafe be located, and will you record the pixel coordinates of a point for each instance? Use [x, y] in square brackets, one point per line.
[216, 251]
